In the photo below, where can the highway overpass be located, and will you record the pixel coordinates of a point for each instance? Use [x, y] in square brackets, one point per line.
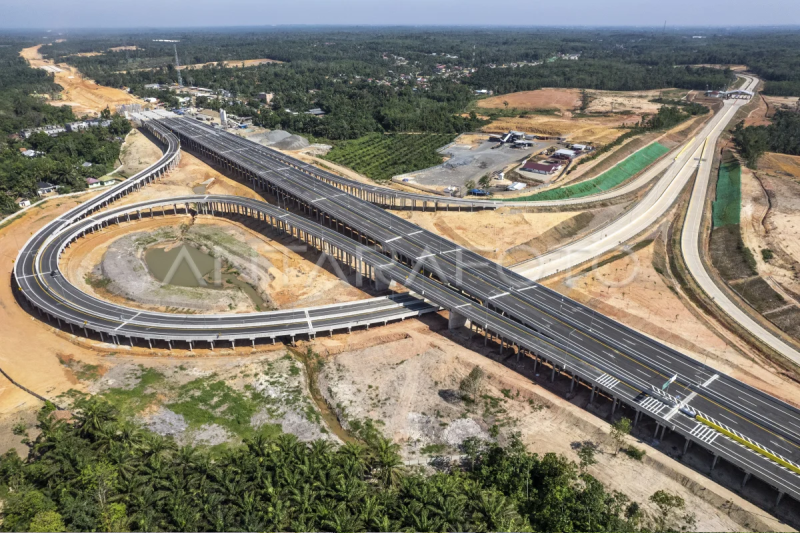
[538, 322]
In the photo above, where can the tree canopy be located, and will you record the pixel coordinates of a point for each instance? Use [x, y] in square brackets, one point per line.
[100, 472]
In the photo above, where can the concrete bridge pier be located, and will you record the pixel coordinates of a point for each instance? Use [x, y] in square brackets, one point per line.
[456, 320]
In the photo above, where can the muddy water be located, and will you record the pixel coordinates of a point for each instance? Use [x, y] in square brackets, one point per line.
[187, 266]
[329, 418]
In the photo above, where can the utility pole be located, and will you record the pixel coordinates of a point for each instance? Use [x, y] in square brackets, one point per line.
[177, 66]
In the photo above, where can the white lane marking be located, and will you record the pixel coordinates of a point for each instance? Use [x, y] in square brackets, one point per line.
[128, 321]
[498, 295]
[710, 380]
[453, 250]
[704, 433]
[462, 305]
[526, 288]
[425, 256]
[308, 319]
[779, 446]
[414, 233]
[726, 417]
[318, 200]
[746, 401]
[394, 238]
[653, 405]
[608, 381]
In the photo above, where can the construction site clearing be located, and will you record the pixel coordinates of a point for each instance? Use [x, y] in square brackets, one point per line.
[418, 356]
[403, 375]
[83, 95]
[560, 112]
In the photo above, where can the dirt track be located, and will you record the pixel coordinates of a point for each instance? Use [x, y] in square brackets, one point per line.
[83, 95]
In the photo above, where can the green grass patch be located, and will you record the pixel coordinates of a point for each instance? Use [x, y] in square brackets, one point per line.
[204, 401]
[727, 206]
[635, 453]
[132, 401]
[379, 156]
[433, 449]
[609, 179]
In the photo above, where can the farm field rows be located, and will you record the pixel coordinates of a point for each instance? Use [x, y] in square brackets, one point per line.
[380, 156]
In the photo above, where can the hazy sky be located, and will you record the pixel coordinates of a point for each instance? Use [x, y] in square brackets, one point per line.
[173, 13]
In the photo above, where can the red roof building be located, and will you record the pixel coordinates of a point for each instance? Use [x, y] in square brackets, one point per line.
[541, 168]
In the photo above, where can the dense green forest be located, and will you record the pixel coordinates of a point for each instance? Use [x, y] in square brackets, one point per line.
[101, 473]
[389, 79]
[782, 136]
[18, 82]
[60, 160]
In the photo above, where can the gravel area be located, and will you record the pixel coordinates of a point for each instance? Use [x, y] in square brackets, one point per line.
[467, 162]
[165, 422]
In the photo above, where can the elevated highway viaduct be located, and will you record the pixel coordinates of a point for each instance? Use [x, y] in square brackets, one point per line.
[529, 318]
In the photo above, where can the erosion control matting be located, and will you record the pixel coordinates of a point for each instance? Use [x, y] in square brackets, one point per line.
[727, 206]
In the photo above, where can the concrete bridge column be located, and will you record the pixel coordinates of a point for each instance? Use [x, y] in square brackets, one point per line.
[456, 320]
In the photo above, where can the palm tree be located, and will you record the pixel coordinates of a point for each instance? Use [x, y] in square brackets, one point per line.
[496, 512]
[388, 461]
[422, 521]
[342, 521]
[93, 415]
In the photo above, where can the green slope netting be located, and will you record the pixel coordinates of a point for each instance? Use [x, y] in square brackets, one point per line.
[727, 206]
[609, 179]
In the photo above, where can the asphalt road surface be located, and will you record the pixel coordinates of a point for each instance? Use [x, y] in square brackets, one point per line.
[530, 315]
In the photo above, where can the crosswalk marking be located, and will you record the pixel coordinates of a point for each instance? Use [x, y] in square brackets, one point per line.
[704, 433]
[653, 405]
[608, 381]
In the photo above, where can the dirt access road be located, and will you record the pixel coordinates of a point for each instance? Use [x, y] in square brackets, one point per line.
[560, 112]
[83, 95]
